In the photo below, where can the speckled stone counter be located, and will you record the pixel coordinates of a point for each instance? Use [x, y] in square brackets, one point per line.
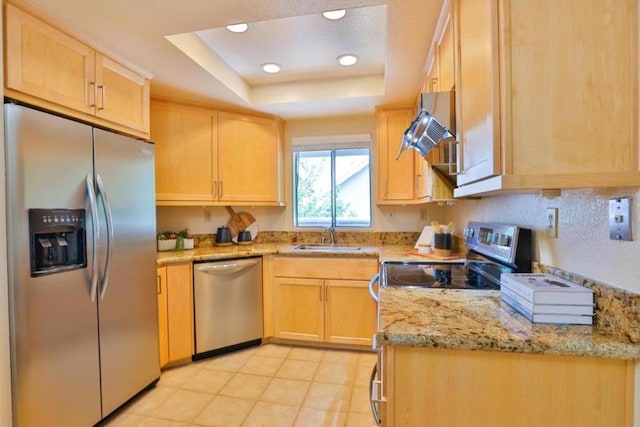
[478, 320]
[256, 249]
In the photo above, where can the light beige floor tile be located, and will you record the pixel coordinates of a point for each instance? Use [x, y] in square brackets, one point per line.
[267, 414]
[158, 422]
[360, 401]
[363, 375]
[225, 411]
[230, 362]
[335, 373]
[245, 386]
[310, 417]
[331, 397]
[176, 377]
[150, 400]
[368, 358]
[360, 420]
[297, 369]
[182, 406]
[125, 419]
[261, 365]
[290, 392]
[273, 350]
[208, 381]
[340, 356]
[307, 354]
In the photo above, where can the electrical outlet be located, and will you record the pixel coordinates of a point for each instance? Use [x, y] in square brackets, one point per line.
[207, 215]
[551, 222]
[423, 214]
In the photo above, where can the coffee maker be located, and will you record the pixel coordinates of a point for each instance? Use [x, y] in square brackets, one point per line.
[57, 240]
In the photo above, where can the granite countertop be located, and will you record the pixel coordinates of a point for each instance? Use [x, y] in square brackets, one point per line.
[478, 320]
[383, 253]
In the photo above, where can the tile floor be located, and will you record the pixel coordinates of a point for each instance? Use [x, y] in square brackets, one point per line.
[271, 385]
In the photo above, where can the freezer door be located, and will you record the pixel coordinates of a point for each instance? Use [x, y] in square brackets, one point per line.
[54, 329]
[128, 312]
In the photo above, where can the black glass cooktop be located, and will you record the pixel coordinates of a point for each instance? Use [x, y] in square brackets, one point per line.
[436, 275]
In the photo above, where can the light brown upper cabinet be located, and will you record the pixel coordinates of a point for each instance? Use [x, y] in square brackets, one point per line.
[211, 157]
[409, 179]
[440, 75]
[49, 66]
[249, 157]
[395, 176]
[546, 94]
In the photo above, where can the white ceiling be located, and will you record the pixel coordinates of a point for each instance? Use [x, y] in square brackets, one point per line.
[185, 46]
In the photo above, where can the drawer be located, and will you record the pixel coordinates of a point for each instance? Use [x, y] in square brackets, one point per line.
[325, 267]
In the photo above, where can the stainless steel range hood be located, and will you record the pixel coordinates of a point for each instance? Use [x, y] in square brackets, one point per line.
[434, 129]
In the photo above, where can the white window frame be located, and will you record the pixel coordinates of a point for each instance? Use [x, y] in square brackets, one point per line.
[330, 142]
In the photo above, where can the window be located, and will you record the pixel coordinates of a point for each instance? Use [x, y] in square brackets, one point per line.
[332, 185]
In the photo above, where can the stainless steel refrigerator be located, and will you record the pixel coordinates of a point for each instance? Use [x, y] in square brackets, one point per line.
[82, 278]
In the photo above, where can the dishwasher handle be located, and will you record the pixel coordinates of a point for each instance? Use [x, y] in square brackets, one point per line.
[227, 268]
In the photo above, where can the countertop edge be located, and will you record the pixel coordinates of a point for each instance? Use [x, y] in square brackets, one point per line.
[625, 351]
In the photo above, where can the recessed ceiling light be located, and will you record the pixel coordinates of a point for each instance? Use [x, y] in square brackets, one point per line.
[347, 60]
[270, 67]
[334, 15]
[238, 28]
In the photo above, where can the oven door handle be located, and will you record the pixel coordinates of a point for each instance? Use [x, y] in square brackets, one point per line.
[372, 283]
[374, 399]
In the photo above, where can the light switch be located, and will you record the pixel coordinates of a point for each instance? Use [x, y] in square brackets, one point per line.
[620, 218]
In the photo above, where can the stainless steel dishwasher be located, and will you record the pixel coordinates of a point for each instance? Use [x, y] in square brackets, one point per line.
[227, 305]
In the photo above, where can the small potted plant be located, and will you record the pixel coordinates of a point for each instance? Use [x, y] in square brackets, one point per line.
[167, 240]
[184, 239]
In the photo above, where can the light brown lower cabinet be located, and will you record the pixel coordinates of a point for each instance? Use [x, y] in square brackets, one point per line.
[324, 299]
[455, 388]
[175, 313]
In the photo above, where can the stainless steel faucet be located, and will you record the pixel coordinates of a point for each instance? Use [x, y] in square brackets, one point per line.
[332, 234]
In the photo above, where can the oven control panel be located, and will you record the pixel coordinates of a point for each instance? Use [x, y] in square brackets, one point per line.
[500, 241]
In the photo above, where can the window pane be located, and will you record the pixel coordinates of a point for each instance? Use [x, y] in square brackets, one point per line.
[353, 188]
[313, 188]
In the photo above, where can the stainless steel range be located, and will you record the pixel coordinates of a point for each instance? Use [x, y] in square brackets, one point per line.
[492, 249]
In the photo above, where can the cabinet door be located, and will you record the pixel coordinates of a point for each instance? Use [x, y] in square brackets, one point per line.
[477, 91]
[46, 63]
[572, 88]
[395, 177]
[163, 324]
[298, 308]
[180, 311]
[422, 186]
[185, 154]
[248, 167]
[350, 313]
[445, 53]
[122, 95]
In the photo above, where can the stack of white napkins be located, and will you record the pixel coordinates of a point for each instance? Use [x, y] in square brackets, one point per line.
[545, 298]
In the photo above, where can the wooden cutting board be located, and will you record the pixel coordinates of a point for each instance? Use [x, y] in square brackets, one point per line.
[239, 221]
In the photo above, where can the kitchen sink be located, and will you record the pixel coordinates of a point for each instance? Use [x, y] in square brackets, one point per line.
[327, 248]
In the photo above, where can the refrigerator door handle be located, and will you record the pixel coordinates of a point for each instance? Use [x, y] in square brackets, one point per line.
[96, 230]
[107, 213]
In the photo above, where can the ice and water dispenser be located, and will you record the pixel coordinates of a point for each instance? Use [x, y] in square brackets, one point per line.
[57, 240]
